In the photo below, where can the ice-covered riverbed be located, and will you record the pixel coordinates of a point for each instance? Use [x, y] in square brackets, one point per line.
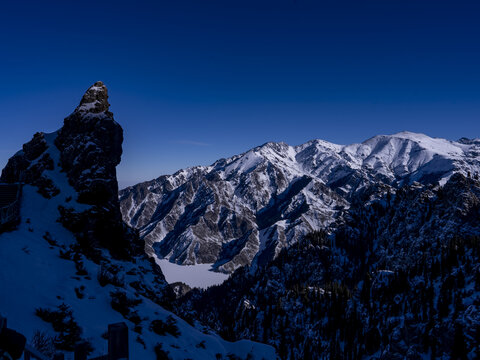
[199, 275]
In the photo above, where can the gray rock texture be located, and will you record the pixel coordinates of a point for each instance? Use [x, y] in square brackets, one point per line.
[245, 209]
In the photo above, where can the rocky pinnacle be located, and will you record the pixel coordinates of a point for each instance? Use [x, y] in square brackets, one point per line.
[95, 100]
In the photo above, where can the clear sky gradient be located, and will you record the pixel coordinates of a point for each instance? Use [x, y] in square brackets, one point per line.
[194, 81]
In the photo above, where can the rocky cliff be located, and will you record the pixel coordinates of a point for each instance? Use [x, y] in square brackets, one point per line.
[87, 150]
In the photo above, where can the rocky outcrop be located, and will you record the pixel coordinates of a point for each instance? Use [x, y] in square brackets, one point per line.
[90, 144]
[86, 150]
[29, 166]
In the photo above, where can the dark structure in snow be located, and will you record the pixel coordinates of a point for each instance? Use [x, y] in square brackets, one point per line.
[10, 195]
[12, 343]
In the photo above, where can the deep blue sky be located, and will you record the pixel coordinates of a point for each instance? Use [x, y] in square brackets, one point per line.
[194, 81]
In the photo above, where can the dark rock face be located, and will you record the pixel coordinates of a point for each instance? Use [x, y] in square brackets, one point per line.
[180, 289]
[35, 147]
[95, 101]
[28, 166]
[90, 143]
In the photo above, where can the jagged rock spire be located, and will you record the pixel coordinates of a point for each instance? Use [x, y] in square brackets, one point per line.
[95, 100]
[90, 143]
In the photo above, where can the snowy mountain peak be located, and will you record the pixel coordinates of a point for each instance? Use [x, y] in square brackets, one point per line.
[410, 135]
[253, 204]
[95, 100]
[436, 145]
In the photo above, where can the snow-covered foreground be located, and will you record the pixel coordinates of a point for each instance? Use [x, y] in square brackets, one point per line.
[200, 275]
[32, 275]
[72, 290]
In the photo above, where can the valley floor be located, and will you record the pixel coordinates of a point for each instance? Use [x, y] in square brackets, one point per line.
[200, 275]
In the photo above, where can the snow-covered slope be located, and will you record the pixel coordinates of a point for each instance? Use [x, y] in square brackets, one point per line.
[399, 279]
[246, 208]
[33, 275]
[65, 270]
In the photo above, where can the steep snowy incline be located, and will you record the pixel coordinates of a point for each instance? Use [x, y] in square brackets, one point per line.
[247, 207]
[35, 275]
[72, 266]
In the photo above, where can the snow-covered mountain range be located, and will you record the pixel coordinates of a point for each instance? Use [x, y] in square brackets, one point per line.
[248, 207]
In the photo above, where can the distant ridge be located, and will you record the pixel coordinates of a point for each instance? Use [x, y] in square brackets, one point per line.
[217, 213]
